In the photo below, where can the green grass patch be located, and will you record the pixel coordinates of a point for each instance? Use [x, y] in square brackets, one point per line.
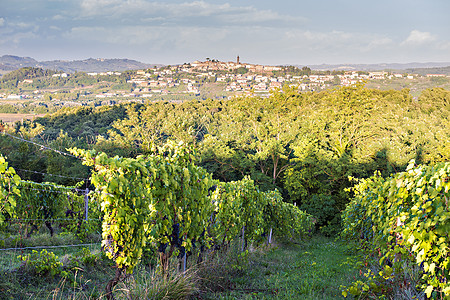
[312, 269]
[315, 268]
[82, 274]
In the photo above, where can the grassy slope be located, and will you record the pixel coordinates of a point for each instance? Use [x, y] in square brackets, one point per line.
[313, 269]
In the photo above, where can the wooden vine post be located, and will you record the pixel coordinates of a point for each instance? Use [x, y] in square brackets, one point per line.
[160, 203]
[122, 184]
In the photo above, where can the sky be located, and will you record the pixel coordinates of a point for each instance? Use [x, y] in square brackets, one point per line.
[271, 32]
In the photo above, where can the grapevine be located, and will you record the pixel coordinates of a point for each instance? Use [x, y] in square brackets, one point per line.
[9, 181]
[407, 219]
[164, 203]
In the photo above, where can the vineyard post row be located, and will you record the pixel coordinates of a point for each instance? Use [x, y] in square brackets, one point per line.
[406, 219]
[161, 203]
[165, 203]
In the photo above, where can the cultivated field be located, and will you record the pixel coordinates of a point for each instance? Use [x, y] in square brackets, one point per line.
[11, 118]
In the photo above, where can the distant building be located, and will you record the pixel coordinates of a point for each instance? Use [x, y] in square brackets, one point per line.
[14, 97]
[64, 75]
[377, 75]
[435, 75]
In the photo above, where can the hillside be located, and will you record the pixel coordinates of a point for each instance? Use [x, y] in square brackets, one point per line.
[10, 63]
[425, 71]
[381, 66]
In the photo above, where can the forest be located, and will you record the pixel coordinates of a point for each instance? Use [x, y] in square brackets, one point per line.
[308, 145]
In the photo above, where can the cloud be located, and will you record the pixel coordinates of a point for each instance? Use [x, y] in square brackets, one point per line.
[18, 38]
[153, 36]
[98, 6]
[444, 45]
[335, 45]
[57, 17]
[23, 25]
[194, 12]
[417, 37]
[2, 21]
[378, 42]
[334, 39]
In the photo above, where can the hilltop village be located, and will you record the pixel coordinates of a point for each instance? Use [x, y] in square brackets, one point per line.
[195, 80]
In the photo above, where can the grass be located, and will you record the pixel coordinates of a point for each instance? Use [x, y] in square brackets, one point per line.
[20, 282]
[312, 269]
[148, 284]
[87, 281]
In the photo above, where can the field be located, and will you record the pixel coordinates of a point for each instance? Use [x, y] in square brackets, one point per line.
[416, 85]
[11, 118]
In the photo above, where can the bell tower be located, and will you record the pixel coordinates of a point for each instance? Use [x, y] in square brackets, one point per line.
[237, 60]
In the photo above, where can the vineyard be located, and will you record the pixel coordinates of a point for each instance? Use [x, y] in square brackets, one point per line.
[111, 194]
[403, 221]
[162, 204]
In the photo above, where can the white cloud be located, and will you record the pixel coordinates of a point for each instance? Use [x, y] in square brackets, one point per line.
[444, 45]
[335, 45]
[98, 6]
[178, 13]
[417, 37]
[58, 17]
[2, 21]
[18, 38]
[334, 38]
[318, 37]
[378, 42]
[23, 25]
[152, 36]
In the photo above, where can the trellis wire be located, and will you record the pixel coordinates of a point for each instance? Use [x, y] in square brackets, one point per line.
[56, 175]
[49, 247]
[84, 191]
[39, 145]
[40, 190]
[52, 185]
[52, 220]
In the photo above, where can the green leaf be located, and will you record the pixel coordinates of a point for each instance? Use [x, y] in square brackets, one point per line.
[429, 290]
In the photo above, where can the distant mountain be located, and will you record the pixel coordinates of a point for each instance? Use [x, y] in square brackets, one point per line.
[379, 67]
[10, 63]
[425, 71]
[11, 60]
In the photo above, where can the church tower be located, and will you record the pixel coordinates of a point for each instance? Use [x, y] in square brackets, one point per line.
[237, 61]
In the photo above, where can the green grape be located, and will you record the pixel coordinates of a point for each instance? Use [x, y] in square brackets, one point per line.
[406, 216]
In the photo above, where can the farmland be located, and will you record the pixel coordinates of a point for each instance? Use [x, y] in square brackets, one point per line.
[11, 118]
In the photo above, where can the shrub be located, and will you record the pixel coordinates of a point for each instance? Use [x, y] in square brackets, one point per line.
[42, 263]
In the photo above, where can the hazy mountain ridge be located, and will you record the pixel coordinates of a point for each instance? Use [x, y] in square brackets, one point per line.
[381, 66]
[425, 71]
[11, 62]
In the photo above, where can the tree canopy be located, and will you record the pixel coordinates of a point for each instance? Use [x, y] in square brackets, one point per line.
[304, 144]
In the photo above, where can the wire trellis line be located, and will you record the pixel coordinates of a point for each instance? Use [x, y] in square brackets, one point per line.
[56, 175]
[50, 185]
[49, 247]
[53, 220]
[48, 191]
[39, 145]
